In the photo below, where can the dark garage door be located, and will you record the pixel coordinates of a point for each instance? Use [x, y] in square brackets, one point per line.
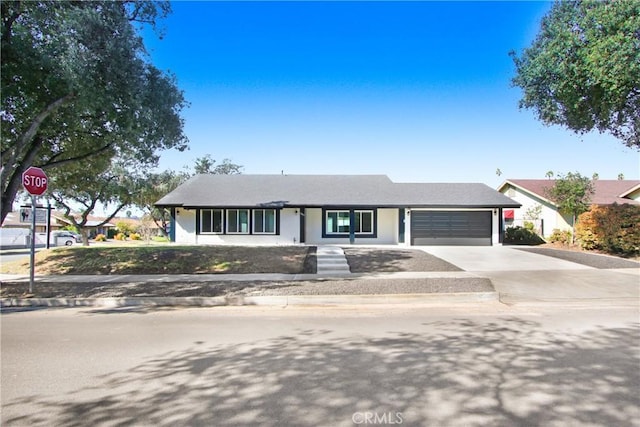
[451, 228]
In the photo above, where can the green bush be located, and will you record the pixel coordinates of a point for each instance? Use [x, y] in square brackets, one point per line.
[560, 236]
[522, 236]
[101, 238]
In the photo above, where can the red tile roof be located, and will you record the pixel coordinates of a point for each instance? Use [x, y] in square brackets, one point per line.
[607, 191]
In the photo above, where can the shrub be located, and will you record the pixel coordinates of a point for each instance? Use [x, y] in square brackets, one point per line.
[614, 229]
[124, 227]
[522, 236]
[135, 236]
[120, 236]
[560, 236]
[587, 238]
[101, 238]
[111, 233]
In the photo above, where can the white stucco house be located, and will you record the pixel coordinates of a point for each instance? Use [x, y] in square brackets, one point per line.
[532, 192]
[333, 209]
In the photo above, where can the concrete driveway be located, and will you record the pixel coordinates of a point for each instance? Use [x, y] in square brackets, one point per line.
[525, 278]
[498, 258]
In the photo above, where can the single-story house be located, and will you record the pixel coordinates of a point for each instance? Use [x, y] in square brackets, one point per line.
[532, 194]
[22, 219]
[333, 209]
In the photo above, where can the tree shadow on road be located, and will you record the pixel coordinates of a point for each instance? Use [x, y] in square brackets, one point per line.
[459, 373]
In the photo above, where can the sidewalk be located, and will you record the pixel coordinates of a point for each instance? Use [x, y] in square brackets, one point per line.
[604, 287]
[513, 276]
[255, 289]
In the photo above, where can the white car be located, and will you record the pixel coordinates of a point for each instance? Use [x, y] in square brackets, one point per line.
[65, 238]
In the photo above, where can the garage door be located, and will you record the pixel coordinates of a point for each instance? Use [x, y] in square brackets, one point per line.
[451, 228]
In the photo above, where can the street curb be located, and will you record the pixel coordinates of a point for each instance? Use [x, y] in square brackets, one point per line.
[276, 300]
[515, 301]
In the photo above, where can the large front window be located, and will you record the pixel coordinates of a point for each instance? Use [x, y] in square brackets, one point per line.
[339, 222]
[264, 221]
[211, 221]
[238, 221]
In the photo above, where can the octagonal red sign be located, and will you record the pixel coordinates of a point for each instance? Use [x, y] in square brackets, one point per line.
[34, 181]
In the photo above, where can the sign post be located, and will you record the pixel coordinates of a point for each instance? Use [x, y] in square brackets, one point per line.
[35, 181]
[32, 254]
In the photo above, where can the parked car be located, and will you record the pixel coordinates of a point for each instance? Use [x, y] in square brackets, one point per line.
[65, 238]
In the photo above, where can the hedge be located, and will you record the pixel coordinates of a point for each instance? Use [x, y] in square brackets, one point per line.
[613, 228]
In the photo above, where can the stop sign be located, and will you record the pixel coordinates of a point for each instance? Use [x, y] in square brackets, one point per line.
[34, 181]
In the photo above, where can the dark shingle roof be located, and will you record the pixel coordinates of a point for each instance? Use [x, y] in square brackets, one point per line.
[328, 190]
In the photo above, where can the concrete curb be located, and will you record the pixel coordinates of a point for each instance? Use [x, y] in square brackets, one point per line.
[258, 277]
[281, 301]
[515, 301]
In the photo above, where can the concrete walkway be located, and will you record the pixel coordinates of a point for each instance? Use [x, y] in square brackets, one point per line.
[331, 261]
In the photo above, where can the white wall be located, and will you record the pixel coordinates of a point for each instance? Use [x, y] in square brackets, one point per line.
[185, 226]
[552, 219]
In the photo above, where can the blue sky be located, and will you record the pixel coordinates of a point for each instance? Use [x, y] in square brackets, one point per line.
[419, 91]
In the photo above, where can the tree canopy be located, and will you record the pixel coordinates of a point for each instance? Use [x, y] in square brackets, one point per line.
[157, 185]
[77, 86]
[572, 194]
[583, 69]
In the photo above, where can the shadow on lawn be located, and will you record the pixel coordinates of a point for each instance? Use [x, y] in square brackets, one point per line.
[458, 373]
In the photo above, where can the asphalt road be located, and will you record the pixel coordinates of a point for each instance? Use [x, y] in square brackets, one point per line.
[467, 365]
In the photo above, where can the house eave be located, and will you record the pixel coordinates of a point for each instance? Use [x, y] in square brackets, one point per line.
[525, 190]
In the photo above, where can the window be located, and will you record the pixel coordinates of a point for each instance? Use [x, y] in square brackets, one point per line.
[264, 221]
[211, 221]
[364, 222]
[238, 221]
[338, 222]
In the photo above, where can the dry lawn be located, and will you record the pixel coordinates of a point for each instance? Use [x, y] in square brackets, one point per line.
[169, 260]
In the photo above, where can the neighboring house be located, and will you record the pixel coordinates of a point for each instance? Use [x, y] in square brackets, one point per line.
[94, 225]
[333, 209]
[22, 219]
[533, 192]
[139, 225]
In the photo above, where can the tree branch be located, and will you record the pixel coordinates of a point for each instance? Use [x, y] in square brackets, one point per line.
[53, 163]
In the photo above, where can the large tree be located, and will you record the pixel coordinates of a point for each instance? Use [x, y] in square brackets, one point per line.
[572, 195]
[207, 165]
[77, 86]
[112, 185]
[583, 69]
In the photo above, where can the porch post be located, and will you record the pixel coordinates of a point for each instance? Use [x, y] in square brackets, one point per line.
[352, 226]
